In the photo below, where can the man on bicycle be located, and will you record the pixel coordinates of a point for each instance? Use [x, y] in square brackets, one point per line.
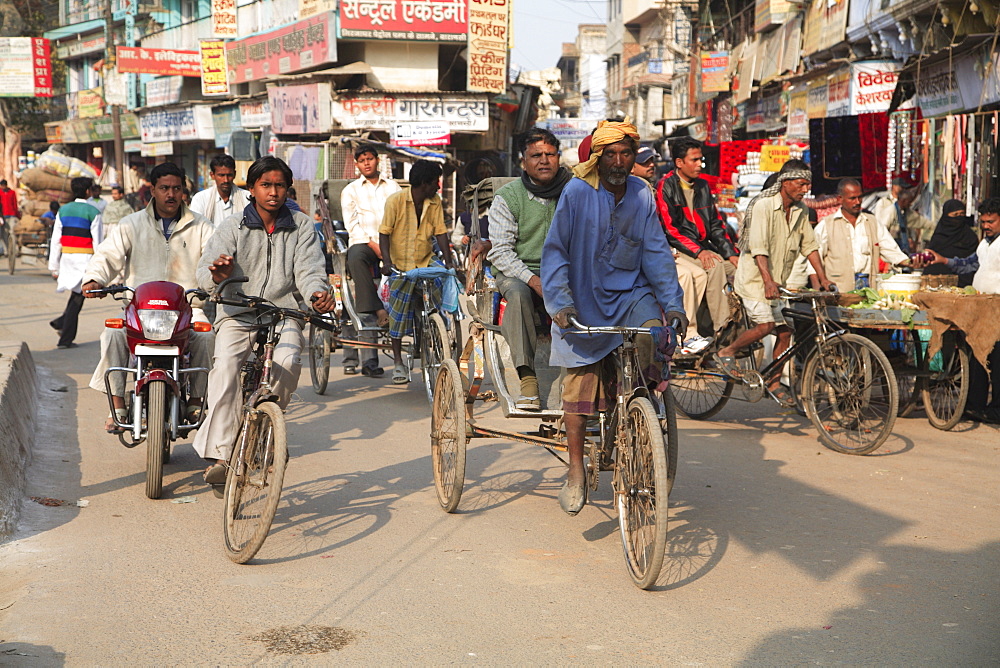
[775, 231]
[280, 254]
[163, 242]
[606, 262]
[519, 219]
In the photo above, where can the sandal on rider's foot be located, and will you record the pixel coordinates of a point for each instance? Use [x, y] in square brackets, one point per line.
[400, 374]
[728, 365]
[216, 474]
[193, 413]
[572, 498]
[782, 396]
[109, 424]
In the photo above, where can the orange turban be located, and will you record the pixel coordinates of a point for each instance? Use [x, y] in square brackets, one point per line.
[607, 133]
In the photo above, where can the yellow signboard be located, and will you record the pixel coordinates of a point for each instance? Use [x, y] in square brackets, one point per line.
[773, 156]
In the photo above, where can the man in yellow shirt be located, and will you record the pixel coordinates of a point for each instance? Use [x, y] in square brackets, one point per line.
[412, 220]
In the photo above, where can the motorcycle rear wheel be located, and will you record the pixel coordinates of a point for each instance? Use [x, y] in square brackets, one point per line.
[156, 436]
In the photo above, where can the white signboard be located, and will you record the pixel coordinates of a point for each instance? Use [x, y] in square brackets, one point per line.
[872, 85]
[17, 67]
[938, 91]
[463, 114]
[188, 124]
[163, 91]
[157, 149]
[255, 113]
[436, 133]
[224, 25]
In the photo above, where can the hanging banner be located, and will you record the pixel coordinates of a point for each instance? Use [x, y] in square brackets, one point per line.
[214, 73]
[300, 110]
[489, 21]
[411, 20]
[872, 85]
[25, 67]
[825, 26]
[714, 65]
[839, 94]
[158, 61]
[300, 45]
[224, 25]
[798, 114]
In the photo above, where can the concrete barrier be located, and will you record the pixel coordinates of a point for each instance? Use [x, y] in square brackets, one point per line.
[18, 415]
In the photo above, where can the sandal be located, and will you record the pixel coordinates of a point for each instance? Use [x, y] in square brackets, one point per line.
[216, 474]
[109, 424]
[782, 396]
[728, 365]
[193, 413]
[400, 375]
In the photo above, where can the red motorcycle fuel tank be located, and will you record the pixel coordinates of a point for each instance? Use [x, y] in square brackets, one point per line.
[158, 296]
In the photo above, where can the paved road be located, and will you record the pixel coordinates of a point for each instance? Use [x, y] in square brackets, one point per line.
[780, 551]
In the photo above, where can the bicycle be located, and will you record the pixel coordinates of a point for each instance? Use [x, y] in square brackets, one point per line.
[256, 468]
[844, 381]
[635, 437]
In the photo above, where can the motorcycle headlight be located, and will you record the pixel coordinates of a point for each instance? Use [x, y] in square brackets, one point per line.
[158, 325]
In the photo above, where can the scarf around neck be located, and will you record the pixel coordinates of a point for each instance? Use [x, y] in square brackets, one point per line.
[551, 190]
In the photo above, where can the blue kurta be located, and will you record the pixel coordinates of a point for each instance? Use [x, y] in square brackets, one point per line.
[615, 284]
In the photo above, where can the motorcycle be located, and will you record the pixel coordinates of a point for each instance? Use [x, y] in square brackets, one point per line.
[158, 325]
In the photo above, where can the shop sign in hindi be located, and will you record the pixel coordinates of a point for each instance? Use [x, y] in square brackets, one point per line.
[938, 91]
[186, 124]
[300, 110]
[872, 85]
[225, 120]
[381, 112]
[839, 94]
[570, 130]
[157, 149]
[714, 65]
[25, 67]
[434, 133]
[300, 45]
[313, 7]
[255, 113]
[489, 21]
[89, 103]
[158, 61]
[164, 91]
[411, 20]
[798, 114]
[214, 73]
[818, 97]
[773, 156]
[224, 25]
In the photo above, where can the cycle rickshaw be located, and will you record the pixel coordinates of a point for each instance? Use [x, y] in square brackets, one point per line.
[436, 331]
[635, 438]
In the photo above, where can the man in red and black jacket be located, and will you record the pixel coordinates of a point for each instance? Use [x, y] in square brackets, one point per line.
[695, 228]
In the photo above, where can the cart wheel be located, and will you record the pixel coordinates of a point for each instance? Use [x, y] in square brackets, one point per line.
[448, 435]
[850, 394]
[699, 393]
[435, 345]
[946, 392]
[319, 358]
[642, 484]
[12, 251]
[906, 370]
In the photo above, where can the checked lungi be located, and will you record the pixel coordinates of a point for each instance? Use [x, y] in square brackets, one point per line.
[402, 290]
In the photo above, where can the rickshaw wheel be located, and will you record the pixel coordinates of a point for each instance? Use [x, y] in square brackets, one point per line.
[434, 347]
[319, 358]
[642, 485]
[448, 435]
[946, 392]
[700, 393]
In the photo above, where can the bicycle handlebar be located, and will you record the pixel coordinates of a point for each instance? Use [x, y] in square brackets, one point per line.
[674, 323]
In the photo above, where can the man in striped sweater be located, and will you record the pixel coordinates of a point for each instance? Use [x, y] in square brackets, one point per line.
[76, 232]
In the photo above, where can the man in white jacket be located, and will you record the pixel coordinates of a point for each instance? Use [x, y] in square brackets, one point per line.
[163, 242]
[223, 199]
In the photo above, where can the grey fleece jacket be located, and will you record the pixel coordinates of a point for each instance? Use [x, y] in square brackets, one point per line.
[278, 264]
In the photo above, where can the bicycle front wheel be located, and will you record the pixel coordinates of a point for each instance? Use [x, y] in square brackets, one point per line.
[700, 393]
[319, 358]
[253, 482]
[434, 346]
[850, 394]
[449, 436]
[642, 484]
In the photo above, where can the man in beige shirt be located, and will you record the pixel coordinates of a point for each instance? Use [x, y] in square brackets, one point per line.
[777, 233]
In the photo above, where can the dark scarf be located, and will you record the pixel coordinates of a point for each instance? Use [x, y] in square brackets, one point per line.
[954, 237]
[553, 189]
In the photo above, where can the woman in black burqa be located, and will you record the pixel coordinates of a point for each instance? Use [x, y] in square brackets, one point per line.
[954, 236]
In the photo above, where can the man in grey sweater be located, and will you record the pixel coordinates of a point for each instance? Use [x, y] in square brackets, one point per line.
[279, 252]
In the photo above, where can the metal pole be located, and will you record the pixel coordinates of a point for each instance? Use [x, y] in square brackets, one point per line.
[116, 119]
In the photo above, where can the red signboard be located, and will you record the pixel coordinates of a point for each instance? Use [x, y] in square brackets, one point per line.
[412, 20]
[298, 46]
[42, 63]
[158, 61]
